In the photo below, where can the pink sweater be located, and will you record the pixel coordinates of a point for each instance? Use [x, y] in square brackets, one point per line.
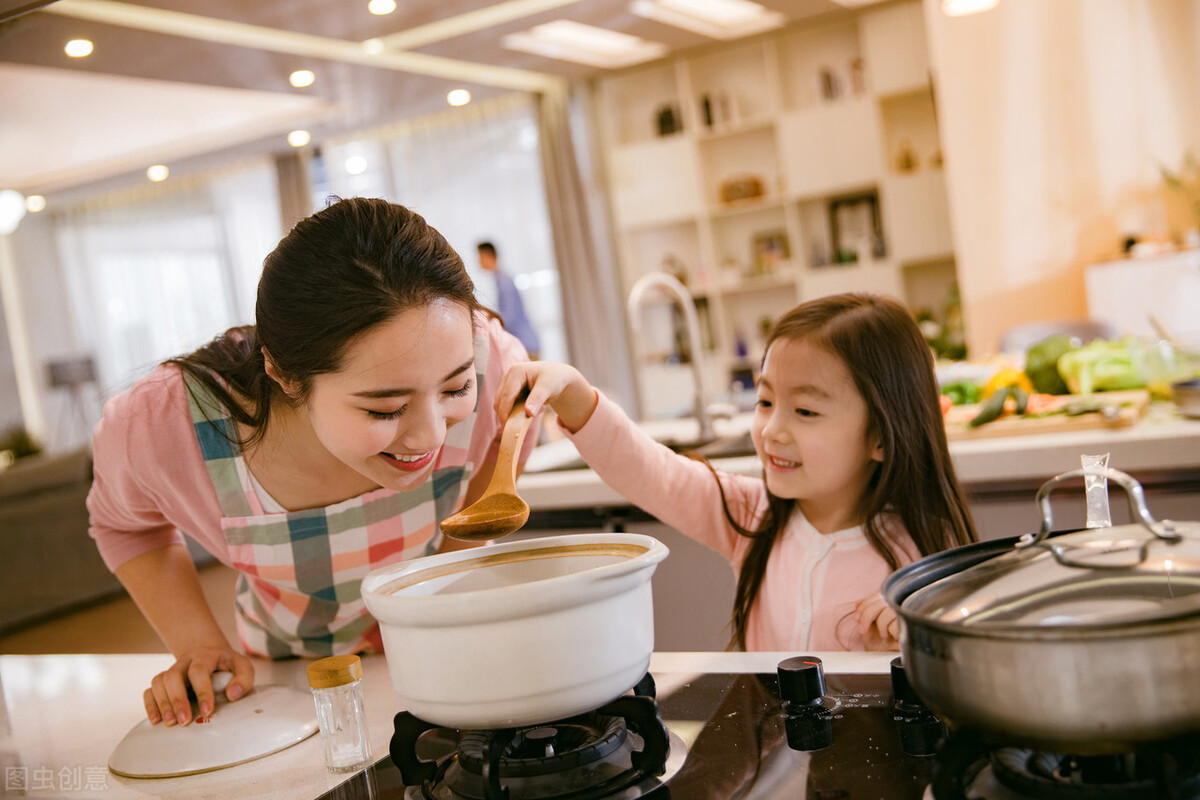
[813, 580]
[151, 482]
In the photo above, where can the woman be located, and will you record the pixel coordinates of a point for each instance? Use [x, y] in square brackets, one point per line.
[325, 441]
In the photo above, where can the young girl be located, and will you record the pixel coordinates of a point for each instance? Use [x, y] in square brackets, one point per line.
[858, 479]
[325, 441]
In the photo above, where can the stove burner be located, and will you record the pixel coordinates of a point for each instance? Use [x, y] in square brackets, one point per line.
[966, 767]
[589, 756]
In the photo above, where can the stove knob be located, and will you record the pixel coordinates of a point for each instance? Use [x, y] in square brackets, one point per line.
[901, 689]
[921, 731]
[801, 680]
[808, 723]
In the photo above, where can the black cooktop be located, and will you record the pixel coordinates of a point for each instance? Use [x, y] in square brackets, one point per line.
[739, 738]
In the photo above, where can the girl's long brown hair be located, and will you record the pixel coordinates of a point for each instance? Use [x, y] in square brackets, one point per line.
[879, 342]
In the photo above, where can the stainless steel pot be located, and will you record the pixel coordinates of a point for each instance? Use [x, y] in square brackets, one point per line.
[1082, 643]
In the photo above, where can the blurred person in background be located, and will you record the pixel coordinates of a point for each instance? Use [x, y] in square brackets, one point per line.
[511, 309]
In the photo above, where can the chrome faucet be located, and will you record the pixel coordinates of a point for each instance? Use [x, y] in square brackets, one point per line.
[691, 322]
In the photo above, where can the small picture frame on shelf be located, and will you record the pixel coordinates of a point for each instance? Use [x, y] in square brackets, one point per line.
[770, 251]
[855, 229]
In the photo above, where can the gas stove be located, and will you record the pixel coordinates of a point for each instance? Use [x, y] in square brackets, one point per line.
[800, 732]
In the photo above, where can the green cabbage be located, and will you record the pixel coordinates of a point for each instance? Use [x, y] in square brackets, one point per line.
[1102, 366]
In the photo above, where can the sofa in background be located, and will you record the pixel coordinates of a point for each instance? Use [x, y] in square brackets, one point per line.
[48, 562]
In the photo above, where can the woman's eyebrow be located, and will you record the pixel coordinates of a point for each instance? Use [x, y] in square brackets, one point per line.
[381, 393]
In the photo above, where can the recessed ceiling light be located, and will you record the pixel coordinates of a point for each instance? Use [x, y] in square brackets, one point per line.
[78, 48]
[355, 165]
[35, 203]
[719, 19]
[301, 78]
[584, 44]
[959, 8]
[381, 6]
[158, 172]
[299, 138]
[458, 97]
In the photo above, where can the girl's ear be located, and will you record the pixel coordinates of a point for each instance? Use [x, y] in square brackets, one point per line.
[875, 444]
[289, 387]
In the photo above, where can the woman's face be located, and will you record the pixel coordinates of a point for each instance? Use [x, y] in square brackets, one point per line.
[810, 431]
[385, 413]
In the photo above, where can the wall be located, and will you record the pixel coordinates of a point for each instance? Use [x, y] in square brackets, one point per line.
[1055, 116]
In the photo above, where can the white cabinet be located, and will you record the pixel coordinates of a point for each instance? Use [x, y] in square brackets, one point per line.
[1127, 292]
[895, 38]
[802, 163]
[830, 149]
[655, 182]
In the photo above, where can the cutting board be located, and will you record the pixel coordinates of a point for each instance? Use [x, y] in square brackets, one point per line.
[1132, 405]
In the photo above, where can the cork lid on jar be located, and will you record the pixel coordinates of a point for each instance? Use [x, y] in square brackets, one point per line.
[326, 673]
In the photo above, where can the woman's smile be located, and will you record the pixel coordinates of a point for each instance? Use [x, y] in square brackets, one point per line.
[412, 462]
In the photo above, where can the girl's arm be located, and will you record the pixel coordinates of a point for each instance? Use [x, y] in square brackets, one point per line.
[164, 585]
[679, 491]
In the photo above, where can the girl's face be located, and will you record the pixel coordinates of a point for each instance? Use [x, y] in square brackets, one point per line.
[810, 431]
[401, 386]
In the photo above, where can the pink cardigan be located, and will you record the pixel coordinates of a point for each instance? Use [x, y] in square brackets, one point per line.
[151, 482]
[813, 580]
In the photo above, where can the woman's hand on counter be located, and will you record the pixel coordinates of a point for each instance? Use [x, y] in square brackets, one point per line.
[560, 386]
[167, 698]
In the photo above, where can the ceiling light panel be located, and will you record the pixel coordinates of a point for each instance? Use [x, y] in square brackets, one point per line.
[565, 40]
[717, 19]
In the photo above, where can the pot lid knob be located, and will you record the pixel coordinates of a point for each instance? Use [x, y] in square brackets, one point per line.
[801, 680]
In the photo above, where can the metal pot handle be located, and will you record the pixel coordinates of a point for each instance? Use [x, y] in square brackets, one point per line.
[1164, 530]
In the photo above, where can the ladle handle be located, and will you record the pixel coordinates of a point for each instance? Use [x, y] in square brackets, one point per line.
[1164, 530]
[511, 438]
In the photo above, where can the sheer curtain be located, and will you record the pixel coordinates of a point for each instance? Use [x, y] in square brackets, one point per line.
[162, 270]
[475, 175]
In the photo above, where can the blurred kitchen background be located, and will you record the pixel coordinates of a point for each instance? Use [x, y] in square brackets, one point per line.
[991, 162]
[973, 164]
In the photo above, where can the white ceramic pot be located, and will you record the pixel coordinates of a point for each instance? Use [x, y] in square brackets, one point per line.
[520, 632]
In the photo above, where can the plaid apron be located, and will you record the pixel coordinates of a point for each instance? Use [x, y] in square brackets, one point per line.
[301, 571]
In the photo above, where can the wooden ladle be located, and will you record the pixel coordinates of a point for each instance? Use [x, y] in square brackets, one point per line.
[499, 511]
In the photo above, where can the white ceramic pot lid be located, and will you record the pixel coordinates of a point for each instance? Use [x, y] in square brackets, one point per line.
[268, 719]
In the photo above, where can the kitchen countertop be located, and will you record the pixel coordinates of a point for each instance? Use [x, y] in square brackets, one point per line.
[62, 715]
[1163, 441]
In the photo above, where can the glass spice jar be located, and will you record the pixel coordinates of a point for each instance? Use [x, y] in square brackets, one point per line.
[336, 684]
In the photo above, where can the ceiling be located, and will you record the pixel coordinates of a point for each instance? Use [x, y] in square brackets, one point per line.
[172, 80]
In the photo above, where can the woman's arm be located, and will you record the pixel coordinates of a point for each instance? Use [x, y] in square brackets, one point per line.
[164, 584]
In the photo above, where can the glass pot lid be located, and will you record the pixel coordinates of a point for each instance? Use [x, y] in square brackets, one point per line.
[1148, 571]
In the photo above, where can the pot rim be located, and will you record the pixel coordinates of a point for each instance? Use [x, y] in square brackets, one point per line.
[911, 578]
[555, 593]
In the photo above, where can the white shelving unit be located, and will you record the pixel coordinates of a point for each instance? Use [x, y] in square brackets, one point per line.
[834, 124]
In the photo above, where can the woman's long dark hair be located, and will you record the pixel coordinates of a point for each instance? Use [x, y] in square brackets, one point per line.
[337, 274]
[879, 342]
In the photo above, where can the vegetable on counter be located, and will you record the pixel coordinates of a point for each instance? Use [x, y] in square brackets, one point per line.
[993, 408]
[1003, 379]
[1041, 364]
[961, 393]
[1101, 366]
